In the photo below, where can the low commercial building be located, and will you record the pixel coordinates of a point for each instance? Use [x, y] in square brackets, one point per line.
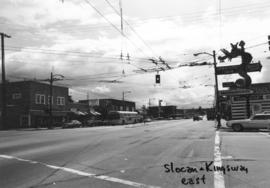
[28, 104]
[161, 111]
[259, 101]
[104, 106]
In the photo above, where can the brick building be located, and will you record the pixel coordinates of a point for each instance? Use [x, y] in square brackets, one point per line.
[28, 104]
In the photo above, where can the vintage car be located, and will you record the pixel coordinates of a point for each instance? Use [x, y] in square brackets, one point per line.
[72, 124]
[258, 121]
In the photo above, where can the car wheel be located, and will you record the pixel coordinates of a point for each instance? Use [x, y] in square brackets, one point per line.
[237, 127]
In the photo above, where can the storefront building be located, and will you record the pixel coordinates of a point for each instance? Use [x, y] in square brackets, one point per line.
[28, 104]
[259, 102]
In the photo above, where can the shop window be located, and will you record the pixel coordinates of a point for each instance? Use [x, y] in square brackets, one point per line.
[60, 100]
[40, 99]
[16, 96]
[267, 97]
[49, 99]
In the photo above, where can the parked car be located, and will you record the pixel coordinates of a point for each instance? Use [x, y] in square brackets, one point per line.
[147, 119]
[95, 122]
[72, 124]
[258, 121]
[197, 118]
[210, 115]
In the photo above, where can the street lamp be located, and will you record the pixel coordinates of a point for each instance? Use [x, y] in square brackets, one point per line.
[159, 107]
[123, 98]
[149, 103]
[216, 84]
[123, 94]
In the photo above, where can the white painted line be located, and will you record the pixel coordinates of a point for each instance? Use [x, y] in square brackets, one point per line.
[226, 157]
[190, 154]
[265, 134]
[218, 175]
[81, 173]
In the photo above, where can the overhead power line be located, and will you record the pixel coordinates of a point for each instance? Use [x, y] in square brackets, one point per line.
[90, 4]
[134, 31]
[71, 53]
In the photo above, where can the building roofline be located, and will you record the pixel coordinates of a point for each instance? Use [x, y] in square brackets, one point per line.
[107, 99]
[33, 81]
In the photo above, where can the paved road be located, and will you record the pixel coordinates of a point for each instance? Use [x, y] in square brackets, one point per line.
[169, 154]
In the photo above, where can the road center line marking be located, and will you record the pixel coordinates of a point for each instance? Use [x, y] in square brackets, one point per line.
[218, 175]
[81, 173]
[265, 134]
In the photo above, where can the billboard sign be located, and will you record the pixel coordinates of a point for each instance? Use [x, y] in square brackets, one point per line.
[234, 69]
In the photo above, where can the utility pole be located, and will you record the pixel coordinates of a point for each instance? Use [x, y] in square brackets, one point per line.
[218, 114]
[4, 104]
[51, 101]
[52, 78]
[159, 107]
[88, 105]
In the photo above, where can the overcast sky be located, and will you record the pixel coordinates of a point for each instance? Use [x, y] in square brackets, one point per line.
[81, 39]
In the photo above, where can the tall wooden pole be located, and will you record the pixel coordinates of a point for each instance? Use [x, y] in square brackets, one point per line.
[4, 104]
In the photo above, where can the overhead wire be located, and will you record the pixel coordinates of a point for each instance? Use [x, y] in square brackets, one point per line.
[90, 4]
[249, 7]
[134, 31]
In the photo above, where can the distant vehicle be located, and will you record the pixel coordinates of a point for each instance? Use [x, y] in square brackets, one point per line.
[72, 124]
[95, 122]
[258, 121]
[197, 118]
[123, 117]
[178, 116]
[147, 119]
[210, 115]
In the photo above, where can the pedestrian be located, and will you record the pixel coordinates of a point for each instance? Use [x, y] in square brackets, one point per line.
[218, 118]
[144, 119]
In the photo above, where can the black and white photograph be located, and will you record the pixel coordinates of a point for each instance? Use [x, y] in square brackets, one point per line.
[135, 94]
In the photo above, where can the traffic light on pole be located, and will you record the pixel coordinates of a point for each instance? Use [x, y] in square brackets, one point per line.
[269, 42]
[157, 79]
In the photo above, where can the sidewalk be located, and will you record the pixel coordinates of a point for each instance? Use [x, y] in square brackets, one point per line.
[37, 129]
[223, 124]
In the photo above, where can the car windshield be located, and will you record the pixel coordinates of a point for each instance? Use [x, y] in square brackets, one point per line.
[258, 117]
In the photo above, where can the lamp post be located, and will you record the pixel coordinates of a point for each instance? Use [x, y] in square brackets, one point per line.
[123, 99]
[159, 107]
[218, 115]
[149, 103]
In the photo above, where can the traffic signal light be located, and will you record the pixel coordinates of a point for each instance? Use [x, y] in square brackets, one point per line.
[157, 79]
[269, 42]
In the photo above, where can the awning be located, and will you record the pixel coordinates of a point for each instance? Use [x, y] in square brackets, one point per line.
[95, 113]
[77, 112]
[43, 113]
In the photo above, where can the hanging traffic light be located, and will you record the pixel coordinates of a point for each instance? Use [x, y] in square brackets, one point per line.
[157, 79]
[269, 42]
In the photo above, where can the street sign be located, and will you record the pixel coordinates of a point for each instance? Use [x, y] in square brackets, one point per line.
[234, 69]
[236, 92]
[228, 84]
